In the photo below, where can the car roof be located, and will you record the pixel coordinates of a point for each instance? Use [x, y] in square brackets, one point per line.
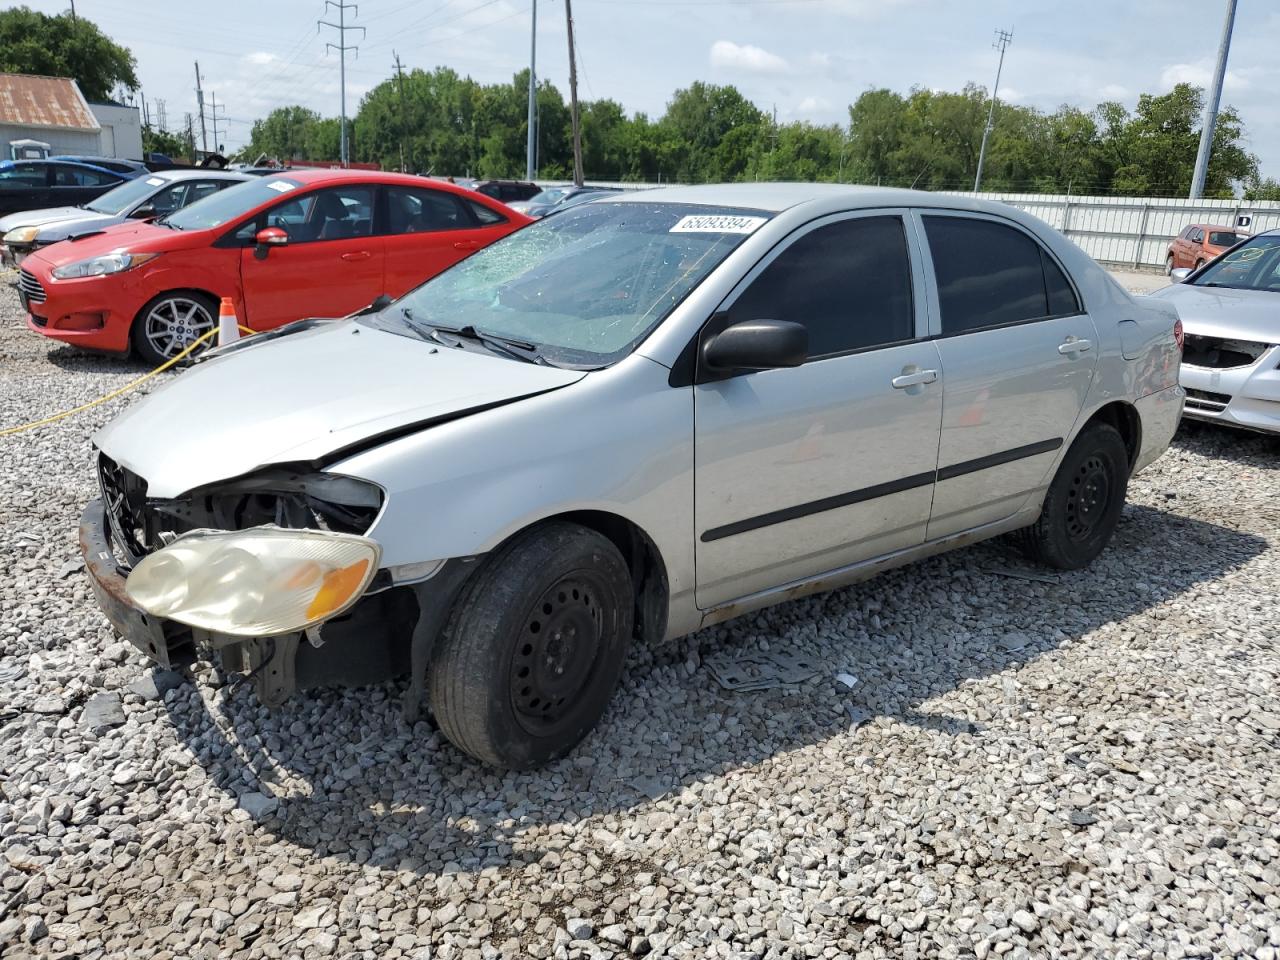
[199, 173]
[1212, 226]
[315, 177]
[776, 197]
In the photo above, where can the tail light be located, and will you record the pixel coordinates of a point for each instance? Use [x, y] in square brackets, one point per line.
[1177, 333]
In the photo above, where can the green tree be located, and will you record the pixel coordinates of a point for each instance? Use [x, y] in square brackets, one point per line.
[1259, 189]
[713, 130]
[58, 46]
[171, 145]
[284, 134]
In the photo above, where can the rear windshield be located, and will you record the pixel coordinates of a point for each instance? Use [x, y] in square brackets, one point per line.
[227, 205]
[1221, 238]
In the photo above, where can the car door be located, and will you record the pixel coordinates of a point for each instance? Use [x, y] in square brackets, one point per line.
[807, 469]
[332, 264]
[428, 230]
[73, 185]
[1019, 355]
[1180, 248]
[25, 186]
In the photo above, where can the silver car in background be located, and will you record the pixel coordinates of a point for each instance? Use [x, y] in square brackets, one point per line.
[144, 198]
[1230, 311]
[638, 417]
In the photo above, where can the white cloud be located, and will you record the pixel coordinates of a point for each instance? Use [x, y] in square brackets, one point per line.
[1113, 91]
[813, 105]
[727, 55]
[1011, 94]
[1200, 74]
[260, 58]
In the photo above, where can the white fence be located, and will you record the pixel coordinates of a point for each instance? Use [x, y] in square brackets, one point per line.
[1133, 231]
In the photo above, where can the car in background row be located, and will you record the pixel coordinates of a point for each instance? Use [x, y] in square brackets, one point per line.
[1199, 243]
[145, 198]
[508, 191]
[625, 422]
[555, 199]
[36, 184]
[305, 243]
[1230, 313]
[131, 168]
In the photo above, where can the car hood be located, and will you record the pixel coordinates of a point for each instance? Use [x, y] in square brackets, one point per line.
[88, 222]
[134, 236]
[1224, 312]
[304, 397]
[38, 218]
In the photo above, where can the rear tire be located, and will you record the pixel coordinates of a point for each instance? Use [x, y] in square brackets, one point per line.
[1083, 503]
[170, 322]
[533, 648]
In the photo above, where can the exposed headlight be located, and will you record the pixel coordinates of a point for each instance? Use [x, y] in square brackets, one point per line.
[101, 266]
[21, 235]
[254, 583]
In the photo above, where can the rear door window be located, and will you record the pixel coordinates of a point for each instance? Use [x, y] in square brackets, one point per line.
[991, 275]
[848, 282]
[417, 210]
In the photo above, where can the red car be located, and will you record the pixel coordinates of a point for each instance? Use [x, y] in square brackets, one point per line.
[1199, 243]
[296, 244]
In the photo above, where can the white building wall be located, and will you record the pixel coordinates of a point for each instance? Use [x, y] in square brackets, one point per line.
[60, 141]
[121, 131]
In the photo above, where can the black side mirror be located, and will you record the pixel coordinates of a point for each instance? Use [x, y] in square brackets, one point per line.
[757, 345]
[144, 212]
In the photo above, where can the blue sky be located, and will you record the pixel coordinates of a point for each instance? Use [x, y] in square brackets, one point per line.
[807, 58]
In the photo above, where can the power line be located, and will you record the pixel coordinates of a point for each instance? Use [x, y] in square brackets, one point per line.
[342, 47]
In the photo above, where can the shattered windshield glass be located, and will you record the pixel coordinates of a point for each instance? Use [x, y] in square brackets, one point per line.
[586, 285]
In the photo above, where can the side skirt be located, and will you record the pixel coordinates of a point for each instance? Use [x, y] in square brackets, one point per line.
[866, 569]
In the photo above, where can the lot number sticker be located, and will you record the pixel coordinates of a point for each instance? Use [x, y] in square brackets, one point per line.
[154, 181]
[717, 224]
[280, 186]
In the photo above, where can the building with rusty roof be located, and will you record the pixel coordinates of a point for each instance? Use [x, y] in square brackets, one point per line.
[52, 110]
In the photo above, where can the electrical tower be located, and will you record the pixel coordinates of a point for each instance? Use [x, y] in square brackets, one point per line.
[1003, 39]
[342, 47]
[161, 119]
[213, 112]
[1211, 102]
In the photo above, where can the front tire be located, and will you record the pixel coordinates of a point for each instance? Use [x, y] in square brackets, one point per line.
[1168, 266]
[1199, 264]
[1084, 501]
[533, 648]
[171, 322]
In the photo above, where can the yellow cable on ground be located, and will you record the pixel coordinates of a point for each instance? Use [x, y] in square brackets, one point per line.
[115, 393]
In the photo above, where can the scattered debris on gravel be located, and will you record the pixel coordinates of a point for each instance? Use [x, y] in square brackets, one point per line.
[1074, 765]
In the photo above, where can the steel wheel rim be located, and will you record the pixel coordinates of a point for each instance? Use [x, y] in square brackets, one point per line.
[1088, 498]
[557, 654]
[174, 324]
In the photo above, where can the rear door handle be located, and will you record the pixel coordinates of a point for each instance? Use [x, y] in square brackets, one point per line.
[466, 245]
[914, 379]
[357, 255]
[1072, 345]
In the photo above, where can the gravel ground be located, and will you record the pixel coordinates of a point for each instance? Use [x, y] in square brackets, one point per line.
[1029, 765]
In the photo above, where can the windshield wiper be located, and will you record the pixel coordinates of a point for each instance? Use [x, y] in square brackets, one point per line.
[508, 346]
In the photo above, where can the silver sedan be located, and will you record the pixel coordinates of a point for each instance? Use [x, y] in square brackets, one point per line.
[1230, 312]
[641, 416]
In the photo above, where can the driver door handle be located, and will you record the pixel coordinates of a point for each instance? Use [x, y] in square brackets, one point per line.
[466, 245]
[914, 379]
[1072, 345]
[357, 255]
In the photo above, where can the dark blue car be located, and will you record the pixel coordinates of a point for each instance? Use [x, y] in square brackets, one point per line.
[36, 184]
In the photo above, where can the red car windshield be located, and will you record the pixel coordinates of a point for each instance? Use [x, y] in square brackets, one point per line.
[226, 205]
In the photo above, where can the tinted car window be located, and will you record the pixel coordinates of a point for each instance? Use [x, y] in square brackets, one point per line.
[1062, 298]
[848, 282]
[413, 210]
[22, 176]
[1222, 238]
[335, 213]
[988, 274]
[484, 215]
[81, 177]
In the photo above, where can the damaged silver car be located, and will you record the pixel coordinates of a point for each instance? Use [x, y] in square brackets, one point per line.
[622, 423]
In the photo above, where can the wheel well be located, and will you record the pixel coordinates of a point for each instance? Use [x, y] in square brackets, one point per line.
[648, 572]
[1124, 417]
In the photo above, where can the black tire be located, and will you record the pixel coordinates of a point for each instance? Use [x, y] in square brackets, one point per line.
[1199, 264]
[1168, 266]
[189, 313]
[1084, 501]
[533, 647]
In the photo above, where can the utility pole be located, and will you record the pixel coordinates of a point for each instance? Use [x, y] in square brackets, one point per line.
[342, 47]
[146, 119]
[573, 99]
[1212, 101]
[73, 11]
[1003, 39]
[204, 137]
[191, 139]
[403, 124]
[213, 111]
[161, 119]
[531, 147]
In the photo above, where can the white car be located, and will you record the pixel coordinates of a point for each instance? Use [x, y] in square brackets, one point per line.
[641, 416]
[1230, 309]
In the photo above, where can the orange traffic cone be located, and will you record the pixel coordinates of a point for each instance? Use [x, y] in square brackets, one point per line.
[228, 325]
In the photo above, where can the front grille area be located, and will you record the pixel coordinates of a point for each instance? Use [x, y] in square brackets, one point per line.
[30, 286]
[1203, 401]
[124, 494]
[1219, 353]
